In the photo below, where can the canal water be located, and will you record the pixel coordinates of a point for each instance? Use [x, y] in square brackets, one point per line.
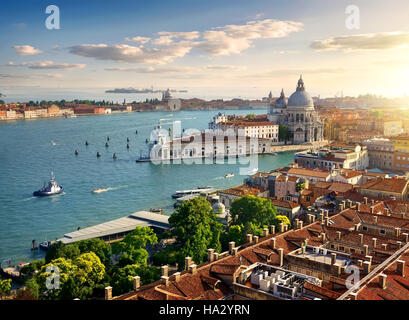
[31, 149]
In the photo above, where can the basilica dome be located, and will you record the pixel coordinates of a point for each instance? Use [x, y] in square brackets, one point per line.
[300, 98]
[281, 102]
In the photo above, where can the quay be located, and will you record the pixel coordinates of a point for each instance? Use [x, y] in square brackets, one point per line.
[117, 229]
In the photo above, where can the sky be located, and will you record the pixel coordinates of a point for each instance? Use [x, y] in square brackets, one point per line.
[213, 48]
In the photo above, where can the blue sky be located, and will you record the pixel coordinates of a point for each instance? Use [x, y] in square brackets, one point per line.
[222, 46]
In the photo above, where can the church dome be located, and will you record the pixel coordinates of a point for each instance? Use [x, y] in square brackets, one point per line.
[281, 102]
[300, 98]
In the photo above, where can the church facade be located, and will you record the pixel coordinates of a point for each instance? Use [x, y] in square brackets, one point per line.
[298, 114]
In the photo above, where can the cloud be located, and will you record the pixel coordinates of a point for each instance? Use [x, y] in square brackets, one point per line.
[166, 46]
[140, 40]
[31, 76]
[296, 72]
[47, 65]
[26, 50]
[127, 53]
[369, 41]
[170, 69]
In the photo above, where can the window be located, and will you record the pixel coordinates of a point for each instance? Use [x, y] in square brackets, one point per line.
[365, 228]
[382, 231]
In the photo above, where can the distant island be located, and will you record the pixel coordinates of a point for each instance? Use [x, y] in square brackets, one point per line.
[139, 90]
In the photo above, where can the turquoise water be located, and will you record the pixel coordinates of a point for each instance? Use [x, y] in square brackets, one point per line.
[27, 156]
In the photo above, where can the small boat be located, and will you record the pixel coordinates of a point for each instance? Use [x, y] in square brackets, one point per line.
[160, 211]
[86, 143]
[136, 131]
[98, 154]
[45, 245]
[106, 145]
[229, 175]
[50, 190]
[53, 143]
[127, 146]
[114, 156]
[204, 187]
[108, 138]
[127, 139]
[99, 190]
[76, 152]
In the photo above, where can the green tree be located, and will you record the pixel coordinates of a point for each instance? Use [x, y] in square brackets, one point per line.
[5, 287]
[283, 133]
[98, 246]
[134, 244]
[281, 219]
[196, 227]
[250, 116]
[122, 279]
[233, 233]
[76, 278]
[253, 213]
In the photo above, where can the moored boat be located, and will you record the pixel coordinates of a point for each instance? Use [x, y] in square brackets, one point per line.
[99, 190]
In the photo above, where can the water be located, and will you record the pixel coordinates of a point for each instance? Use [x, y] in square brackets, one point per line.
[30, 149]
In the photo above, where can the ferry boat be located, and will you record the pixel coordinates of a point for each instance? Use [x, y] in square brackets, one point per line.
[50, 190]
[182, 193]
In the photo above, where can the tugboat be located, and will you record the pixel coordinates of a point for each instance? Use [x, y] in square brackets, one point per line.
[50, 190]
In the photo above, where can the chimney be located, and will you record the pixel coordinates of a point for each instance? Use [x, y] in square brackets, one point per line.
[216, 256]
[367, 266]
[192, 269]
[281, 255]
[397, 232]
[326, 213]
[366, 200]
[359, 207]
[400, 268]
[273, 229]
[108, 293]
[322, 217]
[285, 227]
[273, 243]
[265, 232]
[372, 202]
[249, 238]
[255, 239]
[338, 269]
[385, 246]
[406, 237]
[333, 258]
[360, 263]
[339, 235]
[374, 242]
[323, 237]
[368, 258]
[382, 281]
[366, 249]
[235, 250]
[376, 220]
[357, 227]
[136, 283]
[165, 280]
[297, 221]
[232, 244]
[210, 255]
[372, 209]
[188, 261]
[165, 271]
[341, 207]
[177, 276]
[301, 224]
[281, 227]
[353, 296]
[361, 238]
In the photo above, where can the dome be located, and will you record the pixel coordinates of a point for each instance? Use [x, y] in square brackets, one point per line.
[281, 102]
[300, 98]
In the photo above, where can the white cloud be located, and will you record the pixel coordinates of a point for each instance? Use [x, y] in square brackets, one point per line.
[26, 50]
[227, 40]
[47, 65]
[369, 41]
[140, 40]
[31, 76]
[168, 69]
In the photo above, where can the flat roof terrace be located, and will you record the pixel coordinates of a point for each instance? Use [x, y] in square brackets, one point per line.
[118, 227]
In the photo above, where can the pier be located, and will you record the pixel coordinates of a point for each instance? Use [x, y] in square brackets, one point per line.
[117, 229]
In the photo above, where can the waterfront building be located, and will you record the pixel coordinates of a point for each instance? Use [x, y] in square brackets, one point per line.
[219, 118]
[253, 129]
[380, 153]
[53, 111]
[298, 114]
[336, 156]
